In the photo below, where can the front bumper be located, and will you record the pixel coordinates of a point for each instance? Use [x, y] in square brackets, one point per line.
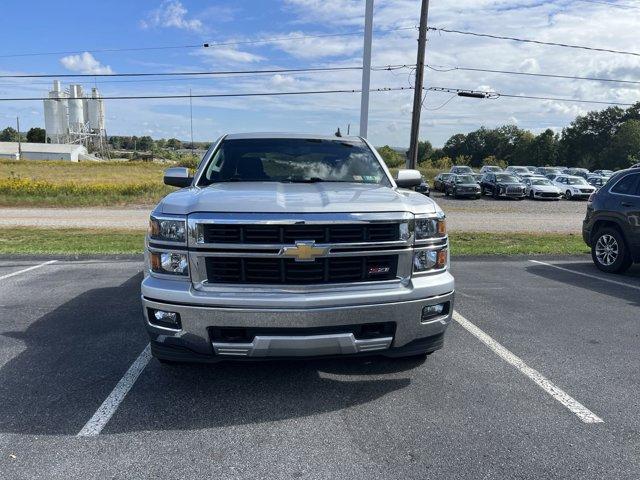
[298, 324]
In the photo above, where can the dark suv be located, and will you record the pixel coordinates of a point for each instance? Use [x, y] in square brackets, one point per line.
[612, 224]
[502, 185]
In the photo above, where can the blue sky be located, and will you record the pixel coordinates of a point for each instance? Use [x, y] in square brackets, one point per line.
[84, 27]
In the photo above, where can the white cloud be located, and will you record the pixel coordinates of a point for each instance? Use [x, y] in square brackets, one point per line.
[228, 55]
[171, 14]
[317, 47]
[85, 63]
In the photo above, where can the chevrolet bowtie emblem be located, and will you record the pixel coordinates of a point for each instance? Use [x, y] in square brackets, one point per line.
[304, 251]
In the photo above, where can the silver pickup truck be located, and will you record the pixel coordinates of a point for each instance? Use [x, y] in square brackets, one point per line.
[286, 245]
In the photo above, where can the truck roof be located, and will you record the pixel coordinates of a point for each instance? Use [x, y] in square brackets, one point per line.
[245, 136]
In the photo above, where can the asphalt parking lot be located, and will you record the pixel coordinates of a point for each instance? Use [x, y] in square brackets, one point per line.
[538, 379]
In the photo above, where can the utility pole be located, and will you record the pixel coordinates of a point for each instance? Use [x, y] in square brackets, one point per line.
[191, 113]
[19, 139]
[412, 159]
[366, 68]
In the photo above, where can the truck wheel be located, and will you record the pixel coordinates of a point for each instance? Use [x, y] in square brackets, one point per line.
[567, 194]
[609, 251]
[446, 192]
[531, 194]
[482, 191]
[496, 195]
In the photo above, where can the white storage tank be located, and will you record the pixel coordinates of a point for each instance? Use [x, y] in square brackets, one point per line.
[76, 109]
[95, 111]
[55, 113]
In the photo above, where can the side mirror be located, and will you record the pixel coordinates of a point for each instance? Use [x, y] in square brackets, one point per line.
[408, 178]
[177, 177]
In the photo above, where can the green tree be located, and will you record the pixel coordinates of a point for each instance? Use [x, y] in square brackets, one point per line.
[9, 134]
[624, 149]
[174, 143]
[425, 150]
[36, 135]
[392, 158]
[145, 143]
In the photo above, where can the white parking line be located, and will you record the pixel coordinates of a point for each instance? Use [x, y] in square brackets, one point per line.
[102, 416]
[582, 412]
[27, 269]
[615, 282]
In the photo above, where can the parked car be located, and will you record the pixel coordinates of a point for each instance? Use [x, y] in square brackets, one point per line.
[597, 181]
[423, 188]
[490, 168]
[247, 259]
[502, 185]
[544, 171]
[573, 186]
[461, 169]
[540, 188]
[604, 173]
[612, 224]
[577, 172]
[517, 170]
[462, 186]
[478, 177]
[438, 181]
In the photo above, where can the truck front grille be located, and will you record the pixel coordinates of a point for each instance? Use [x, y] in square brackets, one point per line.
[286, 271]
[277, 234]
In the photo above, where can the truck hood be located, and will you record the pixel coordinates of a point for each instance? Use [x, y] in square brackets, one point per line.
[274, 197]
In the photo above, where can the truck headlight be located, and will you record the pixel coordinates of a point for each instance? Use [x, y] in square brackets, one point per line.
[430, 227]
[169, 263]
[424, 260]
[167, 230]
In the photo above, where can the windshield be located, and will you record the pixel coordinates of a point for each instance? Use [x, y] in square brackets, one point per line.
[541, 181]
[577, 181]
[507, 178]
[520, 169]
[465, 179]
[462, 169]
[294, 160]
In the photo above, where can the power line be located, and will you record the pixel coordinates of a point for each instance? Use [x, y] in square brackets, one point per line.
[546, 75]
[538, 42]
[181, 74]
[457, 91]
[203, 45]
[212, 95]
[610, 4]
[496, 95]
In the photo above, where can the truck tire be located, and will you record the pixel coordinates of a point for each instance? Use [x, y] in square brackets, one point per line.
[609, 251]
[568, 195]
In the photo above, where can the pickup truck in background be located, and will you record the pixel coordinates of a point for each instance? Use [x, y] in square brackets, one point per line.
[287, 245]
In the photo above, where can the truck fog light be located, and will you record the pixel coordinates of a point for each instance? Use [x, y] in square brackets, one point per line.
[432, 311]
[165, 319]
[169, 263]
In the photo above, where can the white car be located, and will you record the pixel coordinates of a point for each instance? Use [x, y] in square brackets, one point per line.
[573, 187]
[540, 188]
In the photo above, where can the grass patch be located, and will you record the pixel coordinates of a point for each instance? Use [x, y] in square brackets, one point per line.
[62, 184]
[28, 193]
[71, 241]
[516, 244]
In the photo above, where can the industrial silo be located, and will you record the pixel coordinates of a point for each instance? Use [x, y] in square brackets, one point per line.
[56, 114]
[95, 112]
[76, 109]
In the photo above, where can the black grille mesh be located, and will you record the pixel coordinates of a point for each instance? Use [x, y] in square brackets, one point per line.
[268, 234]
[273, 271]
